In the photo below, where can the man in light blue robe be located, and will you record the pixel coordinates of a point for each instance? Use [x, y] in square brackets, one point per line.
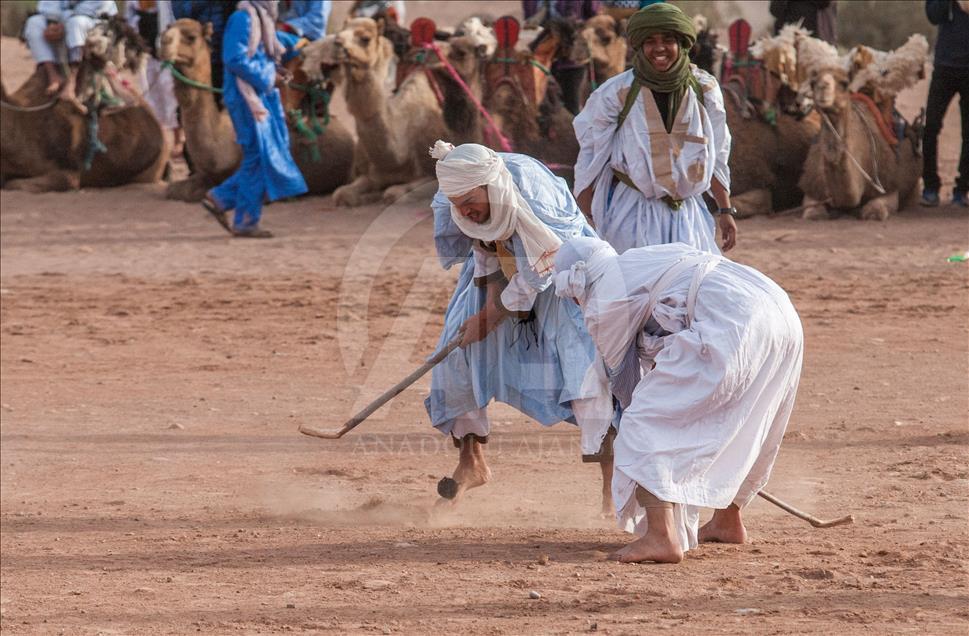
[503, 217]
[301, 20]
[267, 171]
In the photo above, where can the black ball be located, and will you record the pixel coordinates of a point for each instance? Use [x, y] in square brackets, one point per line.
[447, 488]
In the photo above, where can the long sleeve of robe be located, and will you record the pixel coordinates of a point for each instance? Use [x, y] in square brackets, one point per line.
[680, 164]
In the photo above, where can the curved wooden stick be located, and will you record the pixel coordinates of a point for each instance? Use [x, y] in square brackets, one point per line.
[814, 521]
[386, 396]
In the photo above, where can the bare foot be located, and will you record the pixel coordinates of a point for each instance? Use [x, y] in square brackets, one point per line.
[726, 526]
[472, 470]
[658, 547]
[53, 87]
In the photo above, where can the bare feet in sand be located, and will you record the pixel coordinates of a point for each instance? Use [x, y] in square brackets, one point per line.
[659, 547]
[726, 526]
[472, 470]
[661, 541]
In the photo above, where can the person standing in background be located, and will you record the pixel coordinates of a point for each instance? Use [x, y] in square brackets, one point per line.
[817, 16]
[151, 18]
[251, 54]
[538, 11]
[393, 9]
[950, 75]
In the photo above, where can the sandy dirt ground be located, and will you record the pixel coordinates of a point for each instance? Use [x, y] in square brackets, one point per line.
[152, 480]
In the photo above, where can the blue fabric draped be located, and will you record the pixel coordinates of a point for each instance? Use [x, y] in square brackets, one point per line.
[267, 171]
[536, 366]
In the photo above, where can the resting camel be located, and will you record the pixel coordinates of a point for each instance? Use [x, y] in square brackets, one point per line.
[395, 129]
[535, 124]
[45, 143]
[598, 53]
[852, 166]
[771, 135]
[210, 138]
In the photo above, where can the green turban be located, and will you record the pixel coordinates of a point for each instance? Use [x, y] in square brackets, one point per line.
[664, 18]
[660, 18]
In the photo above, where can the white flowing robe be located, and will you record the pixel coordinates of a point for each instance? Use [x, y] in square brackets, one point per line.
[705, 423]
[680, 164]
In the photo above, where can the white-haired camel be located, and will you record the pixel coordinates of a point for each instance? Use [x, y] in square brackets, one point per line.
[210, 138]
[852, 166]
[857, 164]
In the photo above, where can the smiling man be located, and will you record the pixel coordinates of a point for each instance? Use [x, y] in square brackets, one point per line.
[653, 140]
[503, 217]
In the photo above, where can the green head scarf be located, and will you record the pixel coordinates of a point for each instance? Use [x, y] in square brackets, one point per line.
[664, 18]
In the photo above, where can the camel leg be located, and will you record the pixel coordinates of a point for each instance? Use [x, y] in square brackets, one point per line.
[814, 210]
[355, 193]
[752, 202]
[55, 181]
[191, 190]
[880, 208]
[395, 192]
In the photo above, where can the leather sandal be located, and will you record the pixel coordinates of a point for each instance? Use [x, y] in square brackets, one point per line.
[217, 213]
[255, 232]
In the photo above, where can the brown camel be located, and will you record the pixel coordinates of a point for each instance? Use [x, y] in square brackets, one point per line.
[852, 166]
[467, 55]
[44, 143]
[537, 125]
[766, 159]
[210, 138]
[395, 129]
[598, 53]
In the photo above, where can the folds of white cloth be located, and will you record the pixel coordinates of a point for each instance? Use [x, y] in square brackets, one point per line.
[708, 416]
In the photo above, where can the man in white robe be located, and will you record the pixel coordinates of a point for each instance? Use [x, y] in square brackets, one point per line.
[653, 140]
[718, 347]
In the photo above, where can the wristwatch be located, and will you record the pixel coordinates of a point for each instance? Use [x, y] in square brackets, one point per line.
[732, 211]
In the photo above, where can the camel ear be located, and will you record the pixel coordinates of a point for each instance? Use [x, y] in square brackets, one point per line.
[381, 23]
[207, 31]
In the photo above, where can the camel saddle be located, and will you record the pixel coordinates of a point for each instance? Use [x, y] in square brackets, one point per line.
[743, 71]
[418, 56]
[509, 66]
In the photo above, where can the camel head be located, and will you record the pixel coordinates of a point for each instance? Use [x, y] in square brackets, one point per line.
[466, 54]
[186, 45]
[555, 41]
[114, 41]
[321, 60]
[600, 40]
[362, 48]
[829, 89]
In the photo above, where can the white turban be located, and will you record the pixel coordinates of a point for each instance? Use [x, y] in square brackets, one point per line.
[579, 263]
[461, 169]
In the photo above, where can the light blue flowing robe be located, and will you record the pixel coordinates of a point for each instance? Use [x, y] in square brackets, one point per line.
[536, 367]
[267, 170]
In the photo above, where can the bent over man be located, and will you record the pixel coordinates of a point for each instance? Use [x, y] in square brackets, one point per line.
[503, 216]
[704, 355]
